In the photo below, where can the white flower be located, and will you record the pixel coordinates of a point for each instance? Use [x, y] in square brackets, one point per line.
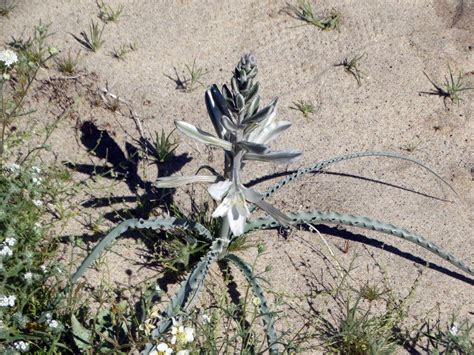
[21, 346]
[36, 180]
[28, 276]
[162, 349]
[43, 268]
[8, 57]
[6, 251]
[234, 205]
[182, 335]
[13, 167]
[7, 301]
[454, 329]
[38, 203]
[206, 319]
[10, 241]
[53, 324]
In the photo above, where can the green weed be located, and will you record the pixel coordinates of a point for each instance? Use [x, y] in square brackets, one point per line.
[109, 14]
[305, 107]
[304, 12]
[68, 63]
[452, 88]
[351, 66]
[93, 40]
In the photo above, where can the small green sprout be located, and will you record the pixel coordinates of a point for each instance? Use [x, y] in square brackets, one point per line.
[165, 145]
[304, 12]
[107, 13]
[351, 67]
[452, 88]
[68, 63]
[93, 40]
[305, 107]
[120, 52]
[195, 76]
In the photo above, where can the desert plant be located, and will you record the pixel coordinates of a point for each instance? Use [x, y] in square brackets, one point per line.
[68, 63]
[304, 12]
[93, 40]
[244, 131]
[109, 14]
[305, 107]
[351, 66]
[6, 7]
[452, 87]
[120, 52]
[195, 77]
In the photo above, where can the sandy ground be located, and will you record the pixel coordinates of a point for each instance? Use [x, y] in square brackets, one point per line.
[400, 39]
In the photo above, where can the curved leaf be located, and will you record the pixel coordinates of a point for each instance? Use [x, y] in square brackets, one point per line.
[157, 223]
[186, 296]
[258, 291]
[362, 222]
[321, 165]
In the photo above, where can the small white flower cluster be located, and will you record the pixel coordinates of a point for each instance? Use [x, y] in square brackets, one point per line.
[6, 251]
[38, 203]
[52, 323]
[7, 301]
[10, 241]
[181, 338]
[28, 276]
[8, 57]
[36, 178]
[13, 167]
[21, 346]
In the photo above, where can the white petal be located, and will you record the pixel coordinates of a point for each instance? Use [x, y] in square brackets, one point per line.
[202, 136]
[237, 226]
[222, 209]
[177, 181]
[162, 347]
[219, 189]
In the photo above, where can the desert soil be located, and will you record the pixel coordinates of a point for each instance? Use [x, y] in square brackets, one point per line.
[399, 39]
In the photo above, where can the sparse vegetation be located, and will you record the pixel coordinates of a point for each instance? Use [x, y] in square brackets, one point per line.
[57, 293]
[452, 89]
[93, 40]
[305, 107]
[6, 7]
[121, 52]
[107, 13]
[196, 74]
[304, 12]
[67, 63]
[351, 66]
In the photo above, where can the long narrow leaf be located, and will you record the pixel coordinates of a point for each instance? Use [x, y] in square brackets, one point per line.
[362, 222]
[325, 163]
[185, 297]
[258, 291]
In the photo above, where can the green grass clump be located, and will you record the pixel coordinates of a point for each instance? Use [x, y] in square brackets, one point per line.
[452, 89]
[351, 66]
[108, 14]
[68, 63]
[6, 7]
[93, 40]
[121, 52]
[305, 107]
[304, 12]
